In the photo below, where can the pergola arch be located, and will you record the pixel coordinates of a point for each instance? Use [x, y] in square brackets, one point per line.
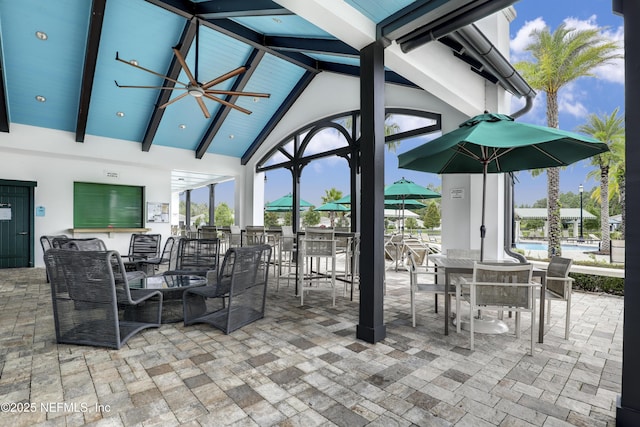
[293, 148]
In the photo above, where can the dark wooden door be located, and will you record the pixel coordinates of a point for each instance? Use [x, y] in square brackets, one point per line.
[16, 224]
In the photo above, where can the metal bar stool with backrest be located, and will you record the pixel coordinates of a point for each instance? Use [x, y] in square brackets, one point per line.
[235, 237]
[316, 244]
[254, 235]
[286, 255]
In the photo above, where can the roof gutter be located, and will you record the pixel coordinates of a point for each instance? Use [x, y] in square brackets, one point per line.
[478, 46]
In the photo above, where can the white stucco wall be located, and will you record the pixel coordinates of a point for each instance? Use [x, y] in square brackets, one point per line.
[54, 160]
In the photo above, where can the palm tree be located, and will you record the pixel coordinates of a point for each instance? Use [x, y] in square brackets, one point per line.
[558, 59]
[331, 196]
[608, 129]
[618, 183]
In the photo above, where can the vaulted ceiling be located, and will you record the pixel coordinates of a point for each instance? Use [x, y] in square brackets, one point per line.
[60, 67]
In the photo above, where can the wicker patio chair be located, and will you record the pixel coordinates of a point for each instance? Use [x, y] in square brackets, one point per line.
[91, 307]
[236, 295]
[196, 257]
[422, 278]
[169, 257]
[143, 246]
[559, 286]
[505, 287]
[46, 242]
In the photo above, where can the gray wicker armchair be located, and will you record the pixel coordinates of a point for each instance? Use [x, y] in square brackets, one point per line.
[237, 295]
[90, 306]
[196, 257]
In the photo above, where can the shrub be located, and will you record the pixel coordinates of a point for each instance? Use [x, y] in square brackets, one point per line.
[592, 283]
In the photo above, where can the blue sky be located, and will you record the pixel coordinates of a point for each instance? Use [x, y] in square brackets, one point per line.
[588, 95]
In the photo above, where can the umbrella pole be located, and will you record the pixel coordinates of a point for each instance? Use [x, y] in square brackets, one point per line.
[483, 229]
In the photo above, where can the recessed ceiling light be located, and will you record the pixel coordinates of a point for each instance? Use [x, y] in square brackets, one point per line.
[182, 126]
[277, 20]
[41, 35]
[231, 136]
[133, 62]
[120, 114]
[40, 98]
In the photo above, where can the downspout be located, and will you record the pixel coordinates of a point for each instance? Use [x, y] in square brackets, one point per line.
[476, 44]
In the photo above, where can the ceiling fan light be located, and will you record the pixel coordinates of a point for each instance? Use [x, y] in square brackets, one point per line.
[195, 91]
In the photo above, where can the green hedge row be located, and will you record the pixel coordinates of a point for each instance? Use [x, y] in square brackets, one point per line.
[591, 283]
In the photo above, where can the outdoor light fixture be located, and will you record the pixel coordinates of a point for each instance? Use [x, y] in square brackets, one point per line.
[581, 190]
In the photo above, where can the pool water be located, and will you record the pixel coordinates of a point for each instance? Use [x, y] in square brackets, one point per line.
[532, 246]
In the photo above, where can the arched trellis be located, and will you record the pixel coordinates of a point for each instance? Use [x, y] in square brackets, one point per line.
[296, 159]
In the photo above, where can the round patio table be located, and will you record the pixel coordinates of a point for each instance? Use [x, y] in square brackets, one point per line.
[172, 287]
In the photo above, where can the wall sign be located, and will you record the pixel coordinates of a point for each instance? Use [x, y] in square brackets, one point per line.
[457, 193]
[157, 212]
[5, 211]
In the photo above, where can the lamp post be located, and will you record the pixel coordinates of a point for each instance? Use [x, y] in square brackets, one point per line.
[581, 190]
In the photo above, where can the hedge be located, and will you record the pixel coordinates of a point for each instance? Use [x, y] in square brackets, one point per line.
[592, 283]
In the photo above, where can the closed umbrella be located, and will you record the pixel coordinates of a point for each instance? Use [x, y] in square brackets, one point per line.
[405, 190]
[495, 143]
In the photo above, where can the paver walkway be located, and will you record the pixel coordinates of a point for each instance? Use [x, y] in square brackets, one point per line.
[303, 366]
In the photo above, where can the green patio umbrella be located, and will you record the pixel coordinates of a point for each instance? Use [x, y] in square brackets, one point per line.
[285, 204]
[403, 204]
[346, 200]
[495, 143]
[332, 207]
[405, 190]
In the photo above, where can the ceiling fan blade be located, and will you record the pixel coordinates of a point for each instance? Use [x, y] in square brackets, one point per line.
[230, 92]
[224, 77]
[177, 98]
[228, 104]
[184, 66]
[203, 108]
[149, 71]
[148, 87]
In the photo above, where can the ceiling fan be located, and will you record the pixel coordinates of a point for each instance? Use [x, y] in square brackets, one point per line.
[194, 88]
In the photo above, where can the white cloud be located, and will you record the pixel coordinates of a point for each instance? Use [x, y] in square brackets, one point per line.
[523, 38]
[569, 100]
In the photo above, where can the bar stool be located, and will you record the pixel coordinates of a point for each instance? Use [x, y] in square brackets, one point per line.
[317, 243]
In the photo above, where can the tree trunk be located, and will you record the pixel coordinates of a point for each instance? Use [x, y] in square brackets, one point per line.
[553, 186]
[605, 240]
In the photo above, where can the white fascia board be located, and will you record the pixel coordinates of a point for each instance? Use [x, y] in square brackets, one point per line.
[337, 18]
[431, 67]
[436, 70]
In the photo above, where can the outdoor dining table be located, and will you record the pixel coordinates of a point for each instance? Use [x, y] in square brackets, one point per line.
[465, 266]
[172, 287]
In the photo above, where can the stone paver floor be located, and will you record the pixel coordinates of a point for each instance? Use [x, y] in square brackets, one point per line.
[303, 366]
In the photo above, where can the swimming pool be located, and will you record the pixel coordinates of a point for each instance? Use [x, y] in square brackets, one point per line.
[537, 246]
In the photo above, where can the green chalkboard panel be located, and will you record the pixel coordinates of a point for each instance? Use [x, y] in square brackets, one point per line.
[107, 205]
